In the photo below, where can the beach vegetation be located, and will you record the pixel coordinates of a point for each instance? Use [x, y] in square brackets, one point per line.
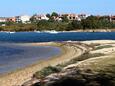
[102, 47]
[81, 58]
[47, 71]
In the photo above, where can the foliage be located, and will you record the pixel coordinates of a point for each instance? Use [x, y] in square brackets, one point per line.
[54, 14]
[64, 18]
[18, 27]
[48, 25]
[47, 71]
[80, 58]
[104, 46]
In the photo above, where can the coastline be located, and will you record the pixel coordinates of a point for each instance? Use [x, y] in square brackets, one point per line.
[21, 75]
[77, 30]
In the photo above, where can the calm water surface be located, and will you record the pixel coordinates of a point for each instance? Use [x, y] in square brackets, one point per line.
[62, 36]
[13, 56]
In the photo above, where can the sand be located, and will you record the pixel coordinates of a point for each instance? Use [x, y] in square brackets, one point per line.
[100, 62]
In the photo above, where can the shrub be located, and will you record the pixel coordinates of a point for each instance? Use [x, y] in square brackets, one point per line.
[47, 71]
[101, 47]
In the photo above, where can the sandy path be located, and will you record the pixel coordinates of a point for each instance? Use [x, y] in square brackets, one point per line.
[18, 77]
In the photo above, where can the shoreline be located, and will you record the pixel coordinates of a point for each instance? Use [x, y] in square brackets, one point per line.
[21, 75]
[54, 31]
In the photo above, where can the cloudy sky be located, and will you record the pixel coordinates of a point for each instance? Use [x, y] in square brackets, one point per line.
[20, 7]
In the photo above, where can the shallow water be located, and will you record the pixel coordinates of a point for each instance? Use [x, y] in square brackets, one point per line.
[13, 56]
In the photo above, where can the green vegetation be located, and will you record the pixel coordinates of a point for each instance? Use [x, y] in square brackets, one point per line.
[48, 25]
[104, 46]
[81, 58]
[10, 26]
[47, 71]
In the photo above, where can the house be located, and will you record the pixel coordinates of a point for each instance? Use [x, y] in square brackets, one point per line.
[3, 19]
[57, 18]
[41, 17]
[82, 16]
[72, 17]
[112, 18]
[11, 19]
[23, 19]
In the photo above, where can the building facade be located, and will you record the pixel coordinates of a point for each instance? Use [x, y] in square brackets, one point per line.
[112, 18]
[23, 19]
[11, 19]
[3, 19]
[72, 17]
[41, 17]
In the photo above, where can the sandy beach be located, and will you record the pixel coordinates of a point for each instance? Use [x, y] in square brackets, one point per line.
[69, 51]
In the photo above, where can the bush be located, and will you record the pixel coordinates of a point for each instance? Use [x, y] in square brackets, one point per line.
[47, 71]
[101, 47]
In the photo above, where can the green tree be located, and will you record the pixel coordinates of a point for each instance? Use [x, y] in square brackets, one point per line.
[90, 22]
[76, 24]
[54, 14]
[48, 15]
[64, 18]
[43, 25]
[33, 18]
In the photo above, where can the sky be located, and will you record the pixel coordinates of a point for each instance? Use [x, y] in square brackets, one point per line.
[29, 7]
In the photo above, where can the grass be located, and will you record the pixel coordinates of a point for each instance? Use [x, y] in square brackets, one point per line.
[105, 46]
[47, 71]
[81, 58]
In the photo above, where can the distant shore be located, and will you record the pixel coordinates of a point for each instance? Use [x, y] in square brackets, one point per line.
[77, 30]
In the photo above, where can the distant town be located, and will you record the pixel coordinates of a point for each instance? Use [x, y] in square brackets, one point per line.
[26, 18]
[59, 17]
[56, 21]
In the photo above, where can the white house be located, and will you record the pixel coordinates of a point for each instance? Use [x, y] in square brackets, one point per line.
[3, 19]
[23, 18]
[82, 16]
[41, 17]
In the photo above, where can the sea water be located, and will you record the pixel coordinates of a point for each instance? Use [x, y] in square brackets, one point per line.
[14, 56]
